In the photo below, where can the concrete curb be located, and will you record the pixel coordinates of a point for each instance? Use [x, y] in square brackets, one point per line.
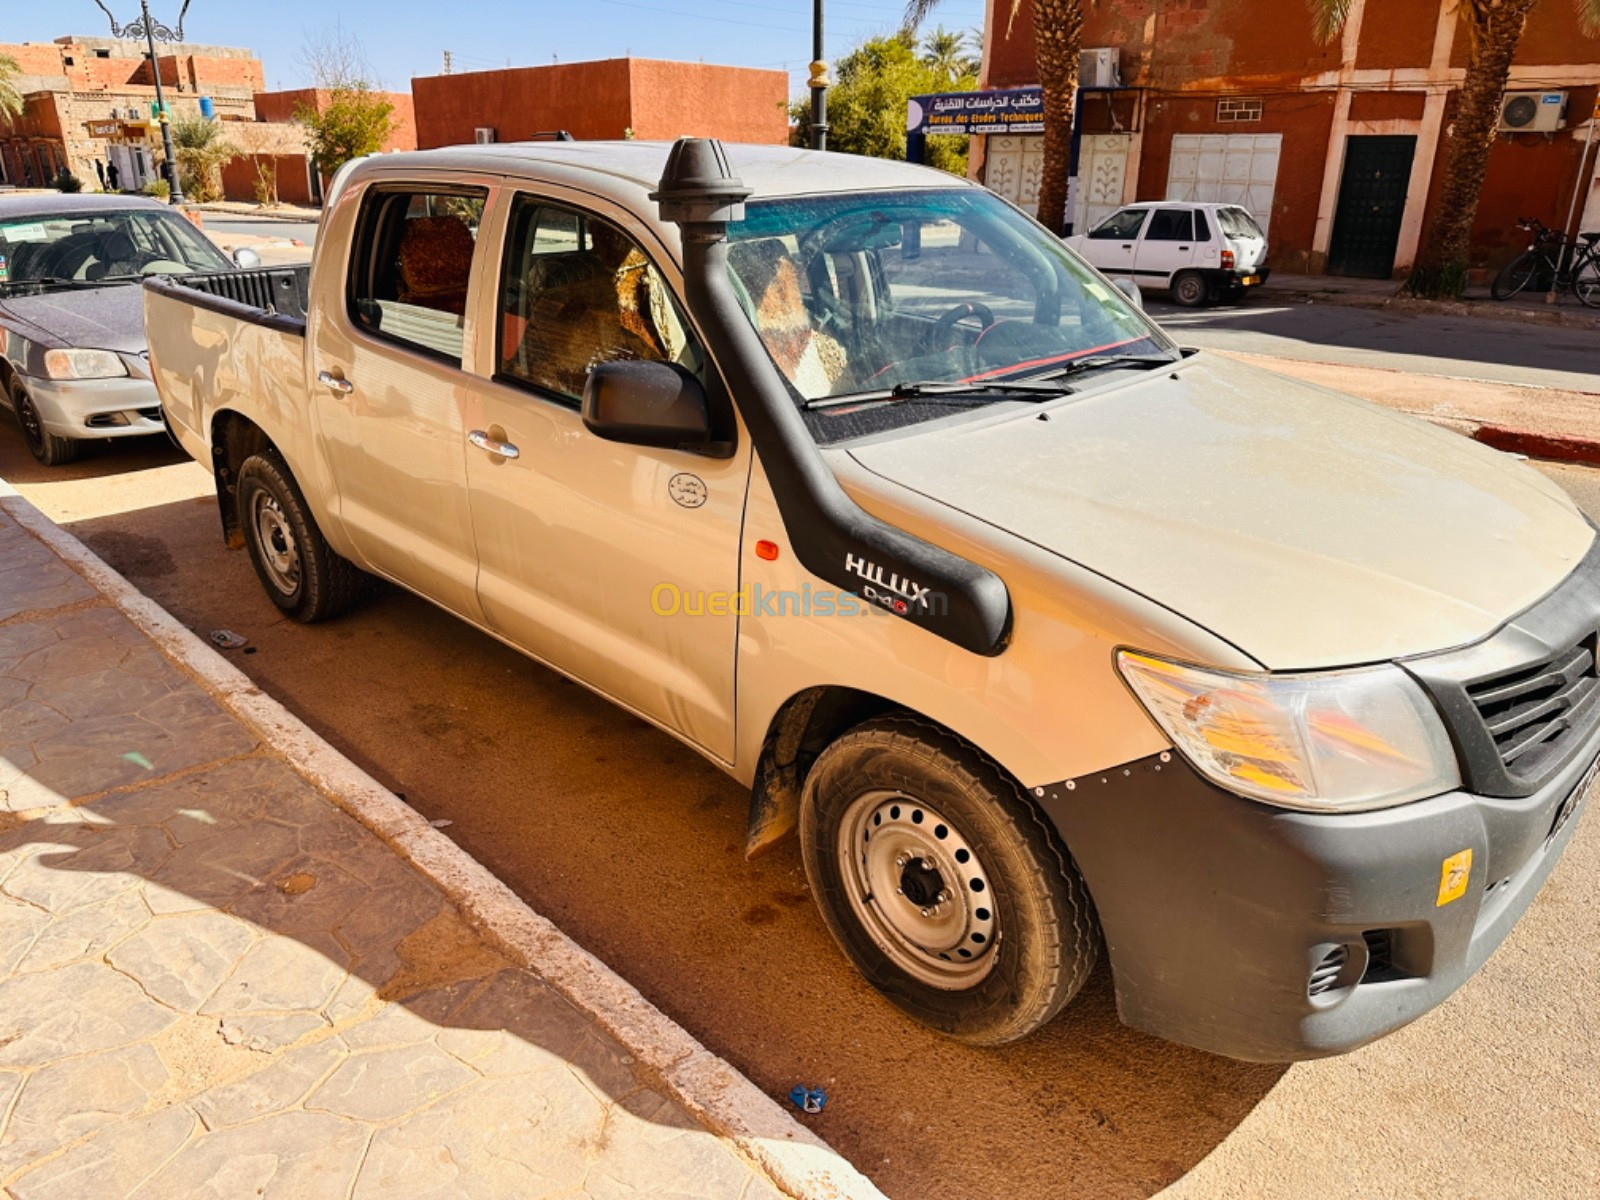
[1553, 315]
[796, 1159]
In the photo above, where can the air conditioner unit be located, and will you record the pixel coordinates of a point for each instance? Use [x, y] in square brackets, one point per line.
[483, 135]
[1100, 67]
[1533, 112]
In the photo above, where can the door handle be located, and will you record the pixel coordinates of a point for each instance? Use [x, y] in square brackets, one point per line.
[1182, 248]
[339, 384]
[483, 441]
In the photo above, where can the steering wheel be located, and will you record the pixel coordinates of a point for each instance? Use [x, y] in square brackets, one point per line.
[939, 337]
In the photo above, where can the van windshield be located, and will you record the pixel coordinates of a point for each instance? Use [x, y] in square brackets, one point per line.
[865, 291]
[1237, 223]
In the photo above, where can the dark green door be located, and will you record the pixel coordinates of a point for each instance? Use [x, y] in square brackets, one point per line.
[1372, 203]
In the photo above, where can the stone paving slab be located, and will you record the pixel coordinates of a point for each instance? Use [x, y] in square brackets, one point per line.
[215, 983]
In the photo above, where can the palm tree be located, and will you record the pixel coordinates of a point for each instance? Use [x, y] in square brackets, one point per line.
[10, 95]
[1057, 37]
[946, 53]
[1493, 29]
[202, 153]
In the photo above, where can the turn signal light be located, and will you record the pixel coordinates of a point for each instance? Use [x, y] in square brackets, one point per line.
[767, 550]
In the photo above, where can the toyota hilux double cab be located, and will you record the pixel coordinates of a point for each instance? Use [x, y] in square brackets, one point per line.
[1052, 640]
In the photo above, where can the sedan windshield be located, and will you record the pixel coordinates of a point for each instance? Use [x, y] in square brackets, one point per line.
[870, 292]
[91, 247]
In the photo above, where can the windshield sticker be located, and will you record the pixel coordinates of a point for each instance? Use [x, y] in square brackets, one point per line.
[5, 271]
[34, 232]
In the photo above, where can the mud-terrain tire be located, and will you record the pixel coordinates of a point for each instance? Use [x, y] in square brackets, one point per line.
[301, 573]
[1015, 936]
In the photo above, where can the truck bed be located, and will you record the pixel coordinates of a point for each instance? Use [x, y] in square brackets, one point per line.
[229, 340]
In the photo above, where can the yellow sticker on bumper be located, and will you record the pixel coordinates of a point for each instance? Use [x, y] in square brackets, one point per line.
[1453, 877]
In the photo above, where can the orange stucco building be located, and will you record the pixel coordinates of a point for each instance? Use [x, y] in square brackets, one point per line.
[610, 98]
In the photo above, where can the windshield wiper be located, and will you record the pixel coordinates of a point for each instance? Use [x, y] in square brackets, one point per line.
[915, 391]
[46, 281]
[1147, 361]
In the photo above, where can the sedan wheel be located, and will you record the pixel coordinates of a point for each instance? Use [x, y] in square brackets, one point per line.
[49, 449]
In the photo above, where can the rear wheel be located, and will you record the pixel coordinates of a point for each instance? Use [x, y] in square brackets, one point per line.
[48, 448]
[302, 574]
[1517, 274]
[942, 884]
[1189, 289]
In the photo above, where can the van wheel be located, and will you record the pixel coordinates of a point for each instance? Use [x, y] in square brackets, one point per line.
[49, 449]
[303, 575]
[1189, 289]
[943, 884]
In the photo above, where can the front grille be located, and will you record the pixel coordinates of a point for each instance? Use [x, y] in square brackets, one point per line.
[1523, 702]
[1528, 712]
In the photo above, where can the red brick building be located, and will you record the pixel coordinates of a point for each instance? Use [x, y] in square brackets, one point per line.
[1237, 100]
[612, 98]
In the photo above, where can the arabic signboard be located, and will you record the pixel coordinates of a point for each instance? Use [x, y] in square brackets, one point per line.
[1019, 110]
[116, 129]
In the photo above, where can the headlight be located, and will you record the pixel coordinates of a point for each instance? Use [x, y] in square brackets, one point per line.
[83, 364]
[1344, 741]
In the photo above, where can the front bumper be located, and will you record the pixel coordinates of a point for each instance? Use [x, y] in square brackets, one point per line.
[127, 406]
[1222, 916]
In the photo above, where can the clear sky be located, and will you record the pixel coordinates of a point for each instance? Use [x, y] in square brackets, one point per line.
[403, 38]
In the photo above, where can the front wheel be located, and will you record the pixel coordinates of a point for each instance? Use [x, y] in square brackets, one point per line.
[942, 884]
[1189, 289]
[1517, 274]
[303, 575]
[51, 450]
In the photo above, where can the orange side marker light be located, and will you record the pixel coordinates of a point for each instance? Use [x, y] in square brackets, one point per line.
[767, 550]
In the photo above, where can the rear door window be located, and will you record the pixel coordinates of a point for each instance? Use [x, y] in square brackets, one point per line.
[577, 291]
[411, 267]
[1171, 225]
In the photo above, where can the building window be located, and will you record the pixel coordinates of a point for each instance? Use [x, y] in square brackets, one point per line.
[1233, 110]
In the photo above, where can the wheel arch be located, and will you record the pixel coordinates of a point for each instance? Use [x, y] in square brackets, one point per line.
[234, 438]
[801, 728]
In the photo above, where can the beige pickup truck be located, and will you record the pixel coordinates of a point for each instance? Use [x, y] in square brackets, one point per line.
[1049, 637]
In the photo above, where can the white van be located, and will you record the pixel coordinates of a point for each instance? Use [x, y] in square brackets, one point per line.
[1200, 252]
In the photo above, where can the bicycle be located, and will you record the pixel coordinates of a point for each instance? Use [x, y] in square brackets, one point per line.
[1541, 263]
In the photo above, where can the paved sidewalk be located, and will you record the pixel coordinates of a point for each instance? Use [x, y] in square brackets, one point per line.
[216, 983]
[1386, 293]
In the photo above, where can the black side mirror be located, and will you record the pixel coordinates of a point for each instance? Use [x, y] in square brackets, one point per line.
[646, 404]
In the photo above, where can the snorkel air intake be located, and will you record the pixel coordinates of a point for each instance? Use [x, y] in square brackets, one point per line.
[835, 539]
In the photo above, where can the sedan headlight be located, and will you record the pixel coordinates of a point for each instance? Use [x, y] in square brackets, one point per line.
[83, 364]
[1344, 741]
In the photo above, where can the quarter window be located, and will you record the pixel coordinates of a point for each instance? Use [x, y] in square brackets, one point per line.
[411, 267]
[1121, 226]
[577, 291]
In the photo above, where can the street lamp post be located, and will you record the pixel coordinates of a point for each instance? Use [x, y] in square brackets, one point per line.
[818, 82]
[150, 29]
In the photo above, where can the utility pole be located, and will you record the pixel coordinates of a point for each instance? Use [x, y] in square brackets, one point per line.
[150, 29]
[819, 81]
[447, 62]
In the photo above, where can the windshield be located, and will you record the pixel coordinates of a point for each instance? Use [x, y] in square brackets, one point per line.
[1237, 223]
[864, 291]
[90, 247]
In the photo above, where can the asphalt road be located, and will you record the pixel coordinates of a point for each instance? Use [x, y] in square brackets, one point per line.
[1470, 347]
[221, 227]
[634, 846]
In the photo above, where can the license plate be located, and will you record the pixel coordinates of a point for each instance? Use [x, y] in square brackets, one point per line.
[1250, 280]
[1570, 805]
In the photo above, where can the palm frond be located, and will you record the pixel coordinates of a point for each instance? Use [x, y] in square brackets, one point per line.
[1328, 17]
[918, 11]
[1589, 17]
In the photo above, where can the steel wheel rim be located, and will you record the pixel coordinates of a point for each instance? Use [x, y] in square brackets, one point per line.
[280, 553]
[1189, 289]
[887, 842]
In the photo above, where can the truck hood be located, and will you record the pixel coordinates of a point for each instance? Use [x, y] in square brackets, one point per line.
[1308, 528]
[100, 318]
